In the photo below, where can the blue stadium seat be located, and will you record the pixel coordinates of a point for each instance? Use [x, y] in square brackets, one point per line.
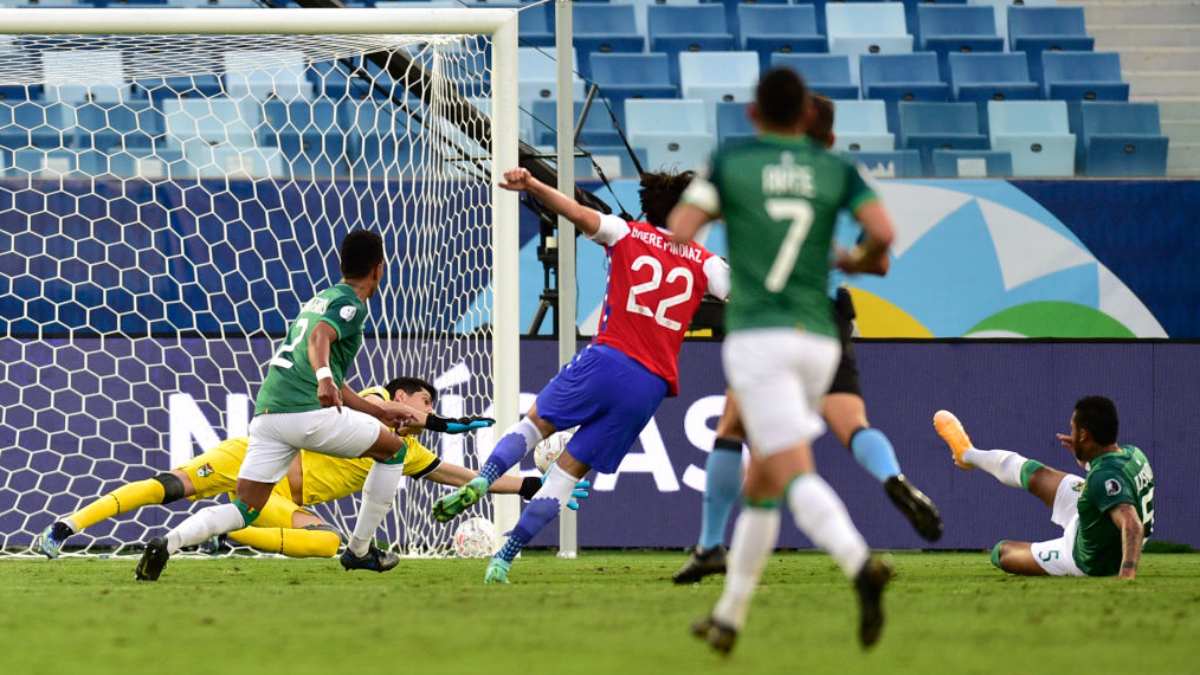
[1036, 134]
[912, 9]
[1120, 139]
[902, 77]
[642, 8]
[733, 11]
[1000, 8]
[535, 25]
[194, 86]
[957, 29]
[35, 124]
[539, 76]
[861, 126]
[972, 164]
[785, 29]
[675, 133]
[105, 81]
[597, 128]
[867, 28]
[269, 74]
[627, 76]
[101, 126]
[605, 29]
[818, 11]
[718, 76]
[1040, 29]
[826, 74]
[308, 136]
[675, 29]
[217, 120]
[991, 77]
[613, 160]
[21, 92]
[1086, 76]
[939, 126]
[733, 123]
[889, 164]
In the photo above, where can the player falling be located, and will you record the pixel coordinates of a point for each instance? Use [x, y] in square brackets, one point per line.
[612, 388]
[286, 525]
[1106, 515]
[779, 195]
[304, 402]
[843, 409]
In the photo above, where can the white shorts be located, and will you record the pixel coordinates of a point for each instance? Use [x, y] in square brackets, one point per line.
[1057, 556]
[779, 376]
[277, 437]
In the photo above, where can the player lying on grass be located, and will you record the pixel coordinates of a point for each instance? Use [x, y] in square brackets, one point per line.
[611, 388]
[1106, 515]
[843, 409]
[285, 525]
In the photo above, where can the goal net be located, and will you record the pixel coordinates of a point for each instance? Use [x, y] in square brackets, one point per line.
[168, 202]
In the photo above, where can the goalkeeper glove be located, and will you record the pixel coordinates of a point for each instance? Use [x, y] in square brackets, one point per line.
[456, 425]
[531, 484]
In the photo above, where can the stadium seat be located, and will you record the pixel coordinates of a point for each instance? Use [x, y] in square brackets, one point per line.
[224, 160]
[194, 86]
[597, 128]
[733, 123]
[867, 28]
[613, 160]
[21, 92]
[972, 164]
[939, 126]
[862, 126]
[902, 77]
[101, 126]
[1036, 134]
[826, 74]
[35, 124]
[785, 29]
[675, 134]
[264, 75]
[307, 135]
[991, 77]
[627, 76]
[1120, 139]
[675, 29]
[605, 29]
[539, 76]
[733, 9]
[217, 120]
[535, 25]
[642, 8]
[889, 164]
[956, 29]
[1000, 9]
[105, 79]
[912, 7]
[1087, 76]
[1035, 30]
[718, 76]
[818, 12]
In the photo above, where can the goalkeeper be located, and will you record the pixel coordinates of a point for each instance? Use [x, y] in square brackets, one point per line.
[285, 525]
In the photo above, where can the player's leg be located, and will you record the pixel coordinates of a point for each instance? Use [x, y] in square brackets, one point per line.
[1016, 557]
[1008, 467]
[378, 495]
[285, 528]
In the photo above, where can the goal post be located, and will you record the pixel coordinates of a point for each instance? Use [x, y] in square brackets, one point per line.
[173, 183]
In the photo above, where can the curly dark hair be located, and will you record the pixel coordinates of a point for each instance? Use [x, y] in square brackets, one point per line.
[660, 193]
[821, 130]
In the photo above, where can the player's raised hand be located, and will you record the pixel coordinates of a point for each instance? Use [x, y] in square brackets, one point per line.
[1066, 441]
[517, 180]
[457, 425]
[328, 393]
[401, 416]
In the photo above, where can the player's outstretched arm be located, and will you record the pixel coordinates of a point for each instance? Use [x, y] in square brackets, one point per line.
[871, 255]
[1126, 519]
[585, 219]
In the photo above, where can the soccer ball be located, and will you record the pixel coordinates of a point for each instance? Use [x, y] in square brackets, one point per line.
[475, 538]
[547, 452]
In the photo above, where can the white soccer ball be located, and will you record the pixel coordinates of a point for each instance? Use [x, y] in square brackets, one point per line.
[475, 538]
[547, 452]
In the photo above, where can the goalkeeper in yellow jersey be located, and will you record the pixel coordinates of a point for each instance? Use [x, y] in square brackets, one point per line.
[285, 526]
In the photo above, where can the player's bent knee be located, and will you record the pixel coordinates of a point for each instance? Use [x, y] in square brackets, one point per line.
[997, 553]
[173, 488]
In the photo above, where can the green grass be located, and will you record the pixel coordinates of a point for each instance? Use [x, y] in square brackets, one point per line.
[604, 613]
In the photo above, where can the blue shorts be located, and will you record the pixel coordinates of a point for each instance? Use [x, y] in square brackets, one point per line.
[609, 396]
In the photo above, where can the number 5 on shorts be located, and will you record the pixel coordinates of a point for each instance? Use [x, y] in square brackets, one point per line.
[800, 213]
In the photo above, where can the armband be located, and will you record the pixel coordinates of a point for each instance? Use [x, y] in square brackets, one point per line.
[324, 373]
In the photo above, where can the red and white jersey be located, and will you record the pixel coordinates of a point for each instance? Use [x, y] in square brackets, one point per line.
[654, 289]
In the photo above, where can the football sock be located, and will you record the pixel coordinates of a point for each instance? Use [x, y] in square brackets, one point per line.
[205, 524]
[754, 537]
[292, 542]
[722, 485]
[822, 516]
[518, 440]
[378, 494]
[874, 452]
[1005, 465]
[125, 498]
[542, 509]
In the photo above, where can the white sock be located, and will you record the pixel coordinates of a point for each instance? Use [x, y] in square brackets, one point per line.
[822, 516]
[1005, 465]
[378, 495]
[754, 538]
[203, 525]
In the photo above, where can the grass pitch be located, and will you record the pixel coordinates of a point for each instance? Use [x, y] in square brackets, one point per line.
[604, 613]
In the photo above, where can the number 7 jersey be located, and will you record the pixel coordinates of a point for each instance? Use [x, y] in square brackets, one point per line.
[654, 289]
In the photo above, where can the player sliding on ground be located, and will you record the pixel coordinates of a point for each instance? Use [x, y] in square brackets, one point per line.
[285, 525]
[843, 409]
[304, 402]
[613, 387]
[779, 195]
[1106, 515]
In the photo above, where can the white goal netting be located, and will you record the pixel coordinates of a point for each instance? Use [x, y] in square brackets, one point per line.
[167, 203]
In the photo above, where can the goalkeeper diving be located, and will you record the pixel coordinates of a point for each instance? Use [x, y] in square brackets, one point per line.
[286, 526]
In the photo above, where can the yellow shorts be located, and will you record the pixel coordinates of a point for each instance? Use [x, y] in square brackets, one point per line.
[214, 472]
[329, 478]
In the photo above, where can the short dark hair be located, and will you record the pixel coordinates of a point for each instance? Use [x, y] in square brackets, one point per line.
[660, 193]
[781, 97]
[411, 385]
[1098, 415]
[361, 252]
[821, 129]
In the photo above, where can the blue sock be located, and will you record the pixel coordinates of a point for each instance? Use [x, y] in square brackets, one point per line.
[535, 516]
[508, 451]
[722, 485]
[875, 453]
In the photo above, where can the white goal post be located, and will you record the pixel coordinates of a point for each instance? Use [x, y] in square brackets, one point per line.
[75, 374]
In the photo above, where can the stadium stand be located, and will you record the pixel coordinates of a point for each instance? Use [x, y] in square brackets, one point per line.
[861, 126]
[733, 122]
[956, 29]
[892, 164]
[902, 77]
[1119, 139]
[675, 134]
[867, 28]
[605, 29]
[784, 29]
[827, 74]
[687, 29]
[1087, 76]
[1035, 30]
[713, 77]
[971, 164]
[628, 76]
[939, 126]
[1036, 134]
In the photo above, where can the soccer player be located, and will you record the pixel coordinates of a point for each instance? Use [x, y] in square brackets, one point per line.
[1106, 515]
[779, 195]
[285, 525]
[613, 386]
[304, 402]
[843, 409]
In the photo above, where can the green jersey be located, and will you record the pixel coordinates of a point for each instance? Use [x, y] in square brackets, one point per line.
[291, 383]
[1115, 478]
[779, 197]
